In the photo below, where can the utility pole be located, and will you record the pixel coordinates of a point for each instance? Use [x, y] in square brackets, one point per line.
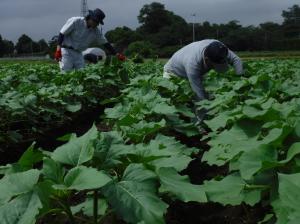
[84, 8]
[194, 21]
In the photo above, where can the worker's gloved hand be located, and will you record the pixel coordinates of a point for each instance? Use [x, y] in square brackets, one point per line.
[58, 55]
[121, 57]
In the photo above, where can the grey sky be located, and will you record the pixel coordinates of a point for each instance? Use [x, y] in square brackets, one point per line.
[44, 18]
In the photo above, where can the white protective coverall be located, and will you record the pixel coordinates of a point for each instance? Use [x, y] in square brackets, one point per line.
[77, 38]
[95, 51]
[189, 63]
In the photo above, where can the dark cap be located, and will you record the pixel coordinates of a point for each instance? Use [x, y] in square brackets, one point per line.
[91, 58]
[97, 15]
[216, 52]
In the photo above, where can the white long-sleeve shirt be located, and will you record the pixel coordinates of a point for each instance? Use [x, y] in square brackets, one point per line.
[189, 63]
[78, 36]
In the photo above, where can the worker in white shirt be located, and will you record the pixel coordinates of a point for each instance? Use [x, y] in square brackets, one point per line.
[195, 60]
[78, 34]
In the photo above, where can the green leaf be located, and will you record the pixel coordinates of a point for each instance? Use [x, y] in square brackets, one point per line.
[78, 150]
[53, 171]
[267, 218]
[257, 159]
[287, 207]
[30, 157]
[87, 207]
[134, 197]
[163, 151]
[292, 152]
[163, 108]
[219, 121]
[74, 107]
[110, 147]
[224, 148]
[137, 132]
[21, 210]
[84, 178]
[232, 190]
[244, 136]
[179, 186]
[263, 158]
[297, 129]
[19, 183]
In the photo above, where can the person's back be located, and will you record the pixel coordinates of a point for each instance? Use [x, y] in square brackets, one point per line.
[188, 56]
[196, 59]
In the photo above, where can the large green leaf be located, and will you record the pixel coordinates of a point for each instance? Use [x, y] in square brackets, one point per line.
[257, 159]
[164, 151]
[262, 158]
[78, 150]
[134, 197]
[287, 207]
[19, 183]
[139, 131]
[84, 178]
[242, 137]
[21, 210]
[110, 147]
[179, 186]
[232, 190]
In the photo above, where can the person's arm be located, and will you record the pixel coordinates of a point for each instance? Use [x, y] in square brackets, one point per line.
[236, 62]
[196, 81]
[66, 30]
[60, 40]
[101, 40]
[110, 48]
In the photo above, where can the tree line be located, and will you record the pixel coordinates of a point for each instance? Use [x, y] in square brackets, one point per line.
[24, 46]
[162, 32]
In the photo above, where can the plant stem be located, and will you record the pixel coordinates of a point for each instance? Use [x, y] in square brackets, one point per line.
[68, 211]
[95, 206]
[104, 216]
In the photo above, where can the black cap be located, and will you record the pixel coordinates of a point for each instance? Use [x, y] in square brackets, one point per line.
[91, 58]
[97, 15]
[216, 52]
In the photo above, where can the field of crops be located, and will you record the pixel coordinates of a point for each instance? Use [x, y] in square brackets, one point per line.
[144, 159]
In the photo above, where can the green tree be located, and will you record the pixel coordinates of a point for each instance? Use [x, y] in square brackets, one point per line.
[122, 37]
[1, 47]
[6, 47]
[142, 48]
[43, 46]
[24, 45]
[153, 18]
[291, 24]
[9, 47]
[162, 27]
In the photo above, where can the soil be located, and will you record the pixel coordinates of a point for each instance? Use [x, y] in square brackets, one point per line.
[48, 141]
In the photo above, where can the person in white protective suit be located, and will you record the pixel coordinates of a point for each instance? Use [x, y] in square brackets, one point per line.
[93, 55]
[196, 59]
[78, 34]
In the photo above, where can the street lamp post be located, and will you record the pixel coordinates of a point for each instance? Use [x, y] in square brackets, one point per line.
[194, 21]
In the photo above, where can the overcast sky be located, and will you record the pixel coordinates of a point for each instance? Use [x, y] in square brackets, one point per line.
[44, 18]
